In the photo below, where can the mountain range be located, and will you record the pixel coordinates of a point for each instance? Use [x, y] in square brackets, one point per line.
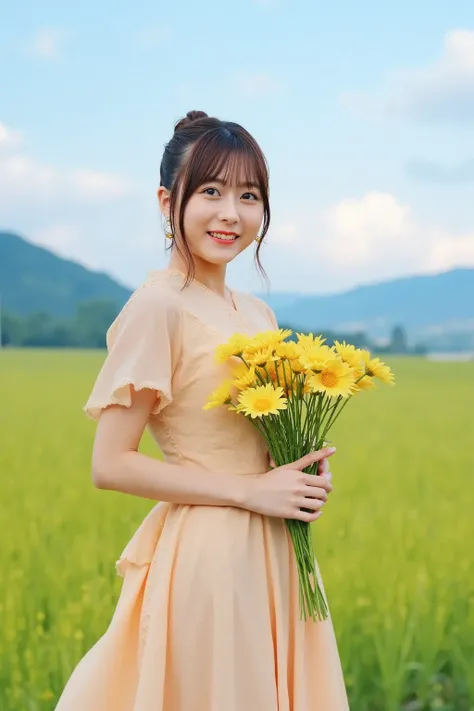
[34, 279]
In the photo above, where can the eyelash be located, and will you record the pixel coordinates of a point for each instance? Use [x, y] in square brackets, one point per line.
[253, 194]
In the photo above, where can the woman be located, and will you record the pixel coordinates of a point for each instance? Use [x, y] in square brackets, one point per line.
[208, 616]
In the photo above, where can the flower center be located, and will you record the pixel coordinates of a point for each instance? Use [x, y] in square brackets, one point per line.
[262, 404]
[329, 380]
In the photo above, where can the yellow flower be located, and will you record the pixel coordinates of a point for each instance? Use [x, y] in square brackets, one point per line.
[287, 351]
[261, 401]
[282, 333]
[237, 368]
[290, 352]
[261, 357]
[234, 347]
[270, 371]
[336, 378]
[297, 366]
[298, 387]
[315, 359]
[308, 340]
[245, 379]
[278, 370]
[220, 396]
[349, 354]
[375, 368]
[264, 340]
[365, 383]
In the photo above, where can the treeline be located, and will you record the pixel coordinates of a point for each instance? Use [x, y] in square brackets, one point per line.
[87, 329]
[397, 343]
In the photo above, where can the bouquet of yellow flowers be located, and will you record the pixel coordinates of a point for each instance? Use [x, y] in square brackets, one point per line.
[293, 392]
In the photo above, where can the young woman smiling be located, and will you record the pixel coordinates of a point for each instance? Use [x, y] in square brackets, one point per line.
[208, 616]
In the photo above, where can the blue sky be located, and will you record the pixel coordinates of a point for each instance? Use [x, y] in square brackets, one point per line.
[364, 111]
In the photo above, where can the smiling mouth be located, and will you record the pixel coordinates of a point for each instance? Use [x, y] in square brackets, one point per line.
[223, 236]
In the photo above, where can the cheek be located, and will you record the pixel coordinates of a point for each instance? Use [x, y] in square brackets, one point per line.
[194, 214]
[254, 218]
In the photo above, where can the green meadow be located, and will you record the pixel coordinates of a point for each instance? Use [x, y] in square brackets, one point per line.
[393, 544]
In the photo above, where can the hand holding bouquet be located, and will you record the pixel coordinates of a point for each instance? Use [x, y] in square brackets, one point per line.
[293, 392]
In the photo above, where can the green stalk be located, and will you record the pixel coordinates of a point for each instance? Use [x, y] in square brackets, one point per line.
[287, 441]
[333, 420]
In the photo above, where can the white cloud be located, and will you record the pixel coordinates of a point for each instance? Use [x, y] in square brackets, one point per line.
[377, 234]
[449, 252]
[46, 43]
[23, 179]
[363, 239]
[440, 92]
[257, 85]
[9, 138]
[98, 218]
[92, 186]
[285, 233]
[61, 238]
[359, 227]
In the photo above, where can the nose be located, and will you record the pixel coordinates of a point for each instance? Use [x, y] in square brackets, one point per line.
[228, 211]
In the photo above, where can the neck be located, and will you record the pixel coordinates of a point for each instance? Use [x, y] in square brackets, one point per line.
[211, 275]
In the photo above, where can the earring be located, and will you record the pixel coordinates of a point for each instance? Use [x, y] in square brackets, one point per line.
[168, 232]
[258, 238]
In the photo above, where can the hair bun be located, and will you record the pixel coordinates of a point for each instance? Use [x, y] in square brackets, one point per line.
[190, 117]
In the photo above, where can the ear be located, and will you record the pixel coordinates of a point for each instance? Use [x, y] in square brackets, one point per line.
[163, 195]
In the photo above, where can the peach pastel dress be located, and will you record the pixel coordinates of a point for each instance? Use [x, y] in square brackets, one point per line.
[208, 614]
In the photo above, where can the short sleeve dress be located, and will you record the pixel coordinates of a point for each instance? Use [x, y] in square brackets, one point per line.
[208, 614]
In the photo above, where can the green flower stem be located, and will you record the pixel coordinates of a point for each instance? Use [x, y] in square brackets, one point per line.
[312, 602]
[288, 439]
[333, 419]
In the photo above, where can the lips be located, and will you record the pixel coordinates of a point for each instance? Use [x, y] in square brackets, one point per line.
[223, 236]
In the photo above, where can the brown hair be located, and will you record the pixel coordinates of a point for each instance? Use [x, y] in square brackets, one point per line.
[202, 149]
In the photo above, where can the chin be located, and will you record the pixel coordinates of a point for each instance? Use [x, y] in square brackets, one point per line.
[212, 259]
[220, 258]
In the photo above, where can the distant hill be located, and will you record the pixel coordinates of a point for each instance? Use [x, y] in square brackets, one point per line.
[425, 305]
[34, 279]
[429, 307]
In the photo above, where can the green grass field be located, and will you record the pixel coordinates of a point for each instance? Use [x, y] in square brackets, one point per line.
[393, 544]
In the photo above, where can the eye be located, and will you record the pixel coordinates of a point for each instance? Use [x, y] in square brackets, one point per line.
[208, 191]
[252, 196]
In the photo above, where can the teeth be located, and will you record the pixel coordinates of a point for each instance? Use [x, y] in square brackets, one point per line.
[224, 238]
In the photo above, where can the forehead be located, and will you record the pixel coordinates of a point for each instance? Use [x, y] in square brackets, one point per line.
[236, 169]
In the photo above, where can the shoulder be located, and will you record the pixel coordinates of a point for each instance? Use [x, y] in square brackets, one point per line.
[154, 296]
[261, 306]
[153, 304]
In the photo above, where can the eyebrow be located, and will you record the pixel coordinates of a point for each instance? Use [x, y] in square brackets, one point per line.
[239, 185]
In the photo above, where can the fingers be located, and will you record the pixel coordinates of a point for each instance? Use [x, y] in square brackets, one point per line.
[315, 492]
[328, 476]
[321, 482]
[323, 466]
[312, 457]
[306, 502]
[308, 517]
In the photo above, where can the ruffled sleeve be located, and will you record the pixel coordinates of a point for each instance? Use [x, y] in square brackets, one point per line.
[144, 345]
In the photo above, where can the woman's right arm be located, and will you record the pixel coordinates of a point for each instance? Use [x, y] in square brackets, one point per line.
[118, 466]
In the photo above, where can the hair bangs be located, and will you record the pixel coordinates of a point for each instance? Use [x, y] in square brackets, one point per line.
[229, 158]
